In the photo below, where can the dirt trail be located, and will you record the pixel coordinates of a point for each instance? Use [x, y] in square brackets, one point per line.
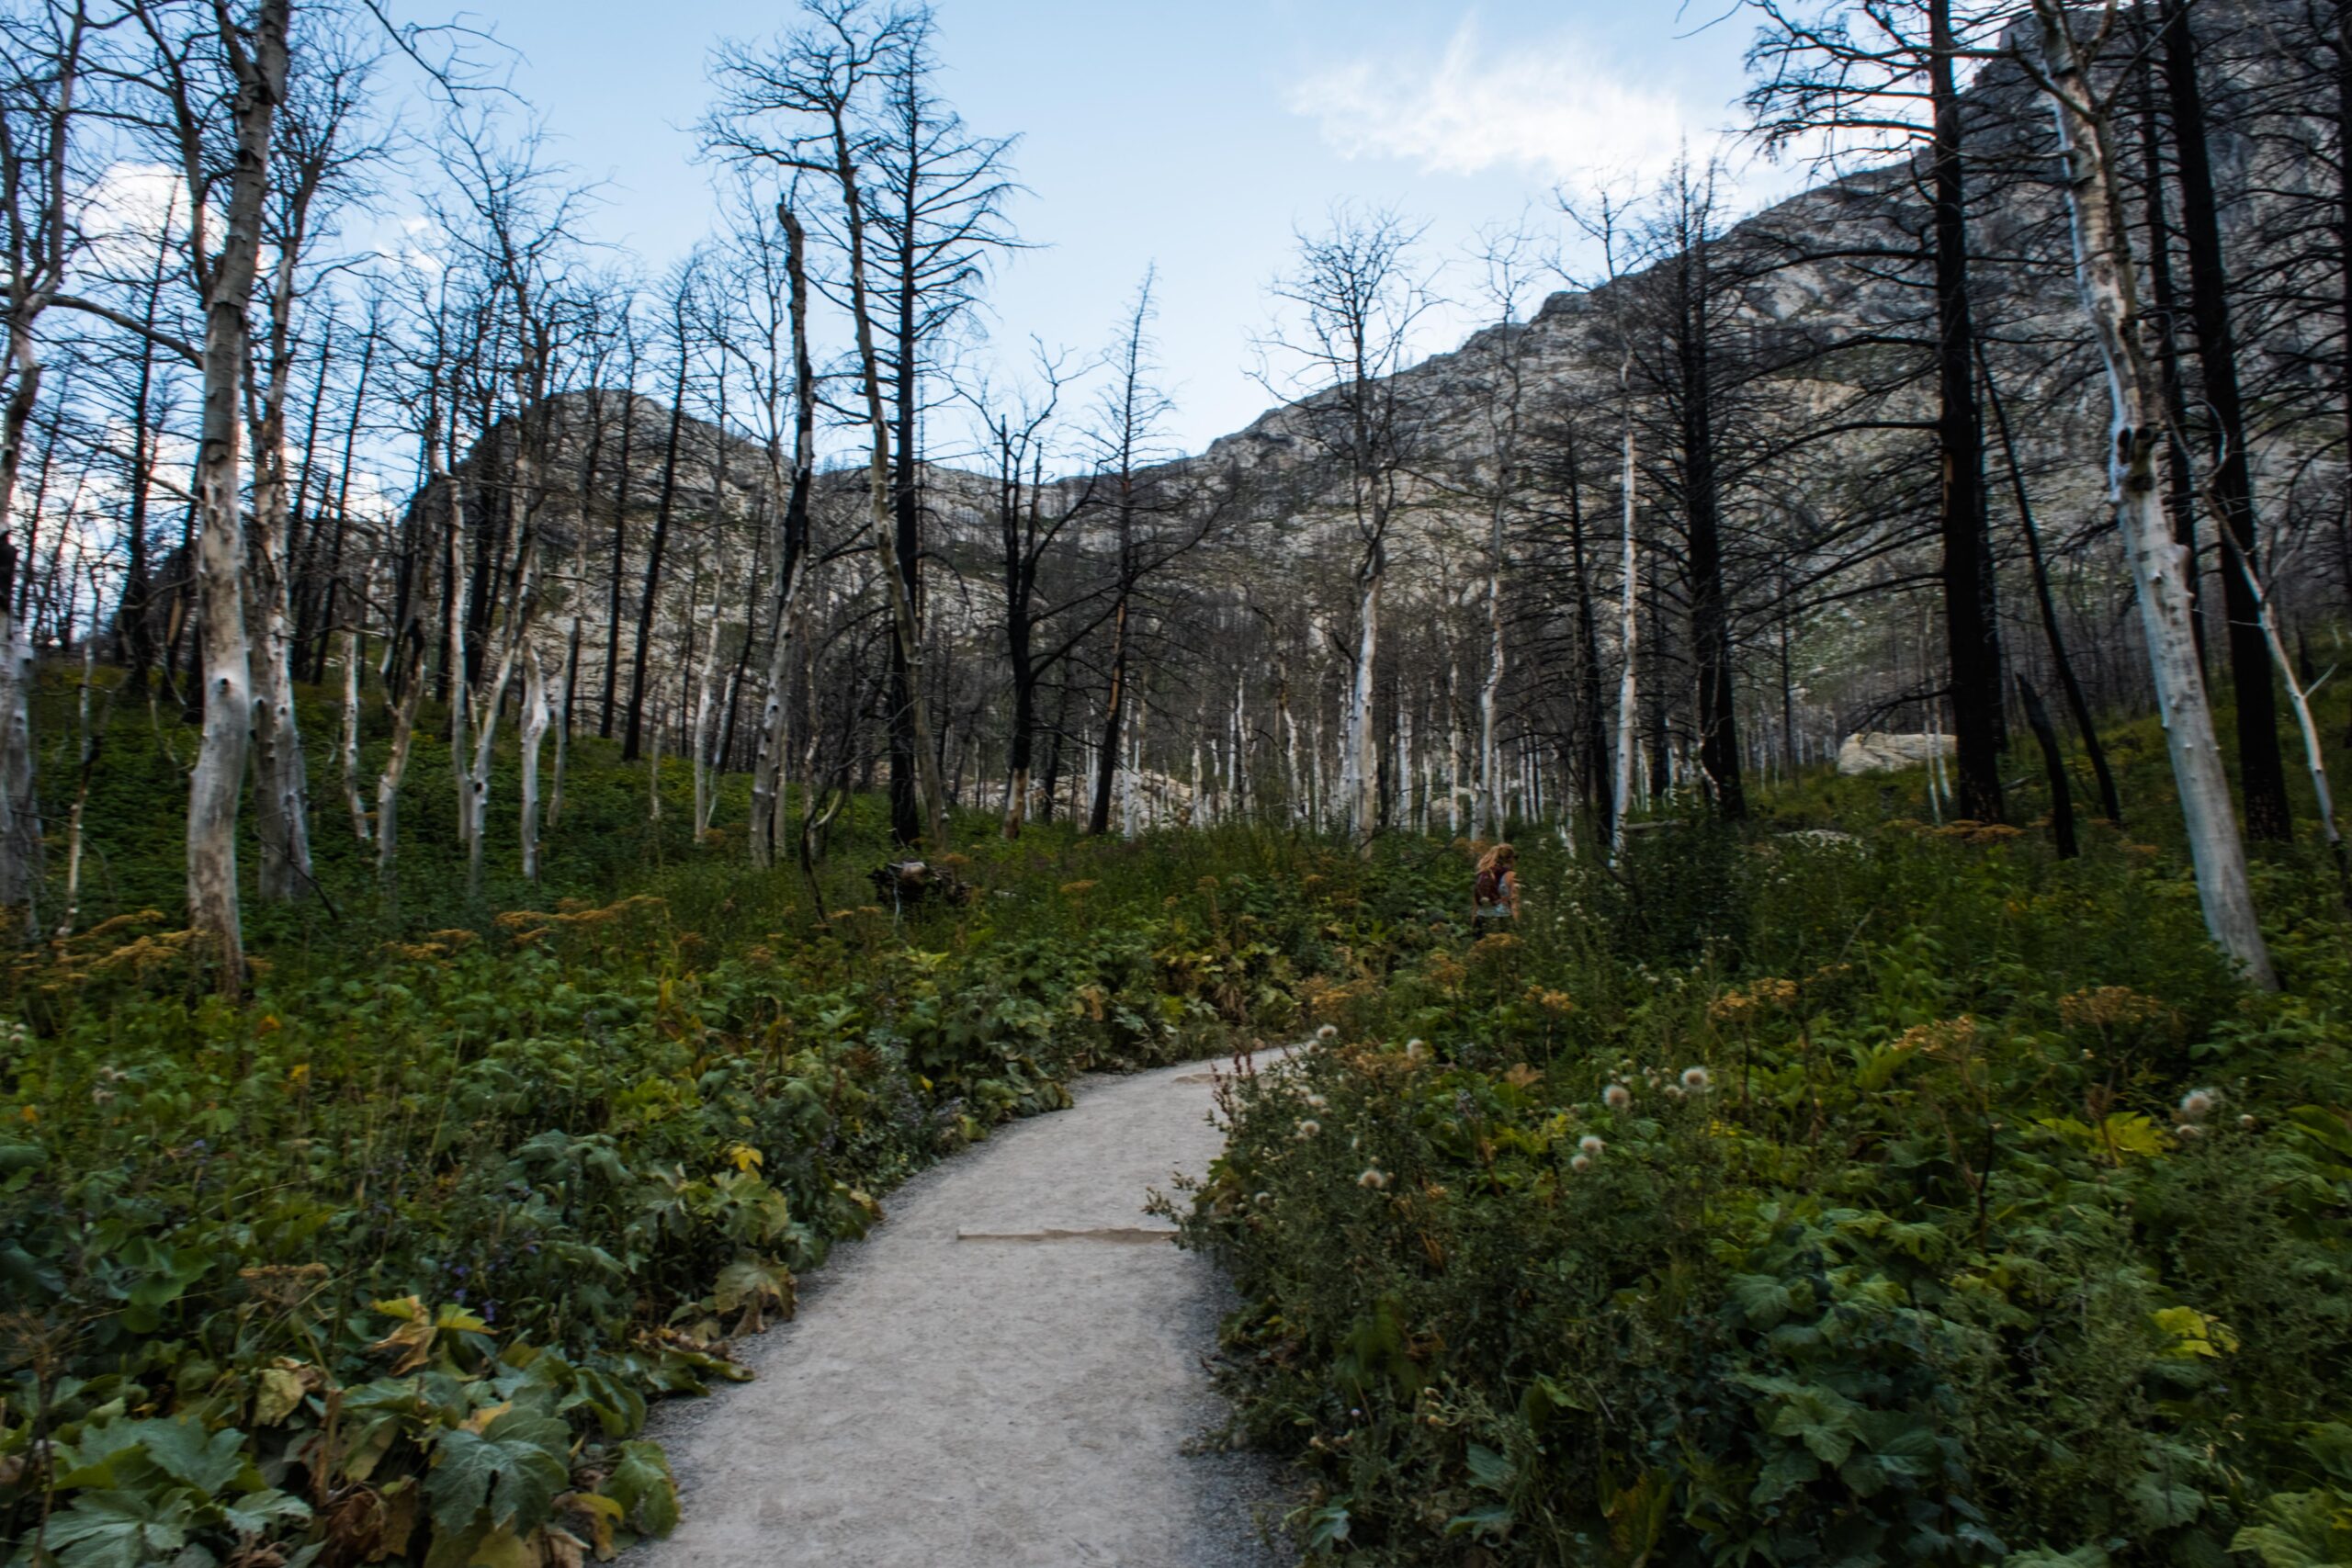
[1006, 1373]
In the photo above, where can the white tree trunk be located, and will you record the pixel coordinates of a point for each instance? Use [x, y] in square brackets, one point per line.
[1363, 755]
[409, 666]
[2104, 270]
[21, 831]
[281, 789]
[706, 705]
[349, 748]
[1489, 804]
[81, 793]
[1629, 638]
[571, 685]
[535, 729]
[454, 605]
[475, 781]
[1406, 803]
[219, 777]
[1131, 800]
[768, 772]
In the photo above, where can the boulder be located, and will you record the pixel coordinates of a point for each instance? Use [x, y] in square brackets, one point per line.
[1883, 752]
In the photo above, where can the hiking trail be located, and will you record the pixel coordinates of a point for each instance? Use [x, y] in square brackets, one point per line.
[1007, 1371]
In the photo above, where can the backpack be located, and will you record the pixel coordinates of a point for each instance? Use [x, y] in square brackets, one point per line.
[1489, 888]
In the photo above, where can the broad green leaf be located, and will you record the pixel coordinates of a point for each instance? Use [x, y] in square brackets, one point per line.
[1489, 1469]
[119, 1529]
[1327, 1527]
[185, 1452]
[1783, 1473]
[2160, 1504]
[640, 1484]
[1764, 1298]
[513, 1467]
[1492, 1519]
[256, 1511]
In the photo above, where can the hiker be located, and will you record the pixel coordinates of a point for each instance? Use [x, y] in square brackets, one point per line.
[1495, 896]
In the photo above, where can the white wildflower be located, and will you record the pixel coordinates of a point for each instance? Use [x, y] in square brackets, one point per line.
[1374, 1178]
[1617, 1097]
[1308, 1128]
[1581, 1162]
[1591, 1143]
[1328, 1034]
[2198, 1104]
[1697, 1080]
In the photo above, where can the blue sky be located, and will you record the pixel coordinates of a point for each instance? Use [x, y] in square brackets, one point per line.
[1197, 136]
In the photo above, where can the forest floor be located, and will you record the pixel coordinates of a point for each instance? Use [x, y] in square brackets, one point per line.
[1010, 1369]
[1837, 1177]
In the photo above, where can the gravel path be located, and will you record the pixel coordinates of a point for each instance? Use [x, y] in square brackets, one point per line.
[1006, 1372]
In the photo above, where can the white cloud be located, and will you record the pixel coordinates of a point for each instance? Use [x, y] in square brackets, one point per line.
[1550, 106]
[124, 212]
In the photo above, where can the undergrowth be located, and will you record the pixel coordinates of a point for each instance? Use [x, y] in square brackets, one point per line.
[1904, 1195]
[383, 1262]
[1841, 1188]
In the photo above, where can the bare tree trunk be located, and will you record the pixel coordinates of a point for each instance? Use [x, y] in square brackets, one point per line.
[409, 645]
[281, 816]
[2104, 273]
[2054, 763]
[20, 812]
[2078, 702]
[916, 715]
[534, 733]
[1488, 813]
[563, 727]
[90, 740]
[705, 730]
[1629, 637]
[487, 704]
[453, 670]
[2262, 775]
[1971, 628]
[791, 552]
[218, 776]
[349, 749]
[1363, 750]
[647, 603]
[1113, 717]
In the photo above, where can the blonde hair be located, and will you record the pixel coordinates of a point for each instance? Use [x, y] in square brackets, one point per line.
[1501, 856]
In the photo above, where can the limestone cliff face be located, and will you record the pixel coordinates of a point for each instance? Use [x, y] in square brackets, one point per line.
[1828, 497]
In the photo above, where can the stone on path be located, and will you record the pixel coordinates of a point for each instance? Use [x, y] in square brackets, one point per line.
[1006, 1372]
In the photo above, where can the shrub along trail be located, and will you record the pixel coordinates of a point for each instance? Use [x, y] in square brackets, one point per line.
[1009, 1370]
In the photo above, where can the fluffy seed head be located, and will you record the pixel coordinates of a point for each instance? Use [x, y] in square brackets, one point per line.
[2198, 1104]
[1697, 1079]
[1590, 1144]
[1374, 1178]
[1617, 1097]
[1581, 1162]
[1328, 1034]
[1308, 1128]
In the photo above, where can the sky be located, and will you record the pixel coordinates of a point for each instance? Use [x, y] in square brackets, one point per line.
[1194, 136]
